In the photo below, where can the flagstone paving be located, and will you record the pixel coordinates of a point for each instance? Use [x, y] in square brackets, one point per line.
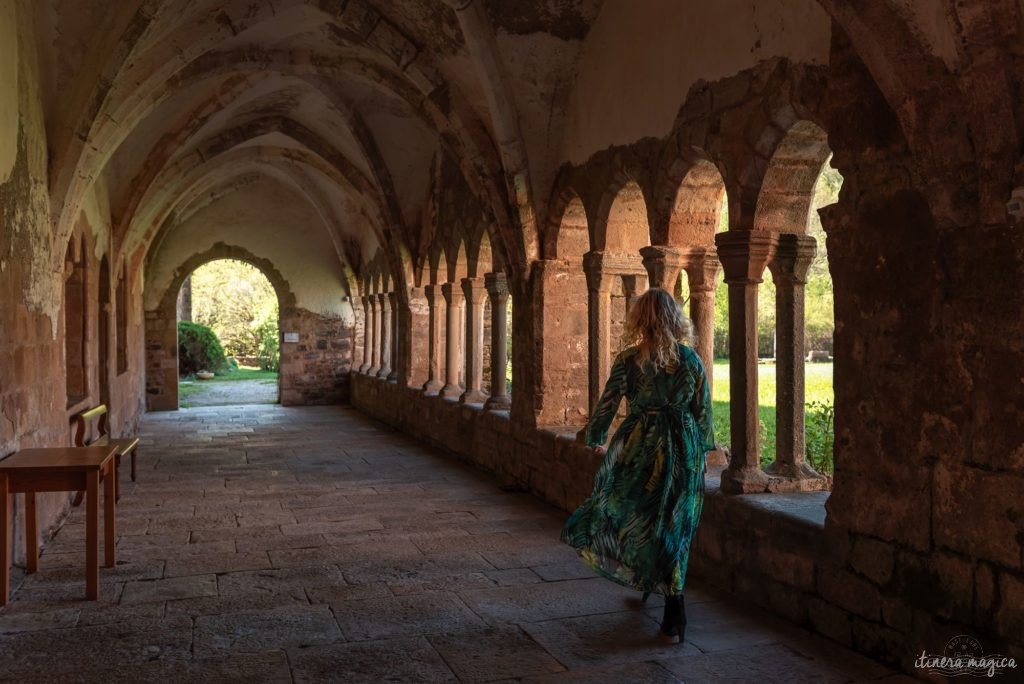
[264, 543]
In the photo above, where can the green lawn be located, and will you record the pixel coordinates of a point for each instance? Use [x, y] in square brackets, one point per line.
[818, 389]
[188, 388]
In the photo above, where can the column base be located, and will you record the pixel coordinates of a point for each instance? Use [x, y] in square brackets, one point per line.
[450, 392]
[718, 457]
[502, 403]
[473, 397]
[744, 480]
[363, 367]
[383, 373]
[393, 376]
[795, 477]
[432, 388]
[372, 371]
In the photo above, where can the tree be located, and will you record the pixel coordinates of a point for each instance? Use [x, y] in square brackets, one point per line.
[238, 302]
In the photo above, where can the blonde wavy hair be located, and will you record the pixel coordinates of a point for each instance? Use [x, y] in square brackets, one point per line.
[654, 325]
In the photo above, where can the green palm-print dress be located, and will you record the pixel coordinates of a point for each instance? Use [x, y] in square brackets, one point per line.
[637, 526]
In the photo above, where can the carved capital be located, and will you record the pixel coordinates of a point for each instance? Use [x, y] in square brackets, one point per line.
[452, 293]
[792, 259]
[663, 265]
[745, 255]
[702, 267]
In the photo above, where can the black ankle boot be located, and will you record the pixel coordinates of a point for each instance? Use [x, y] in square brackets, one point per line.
[673, 621]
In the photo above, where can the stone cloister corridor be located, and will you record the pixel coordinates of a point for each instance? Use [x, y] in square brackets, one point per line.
[314, 544]
[457, 205]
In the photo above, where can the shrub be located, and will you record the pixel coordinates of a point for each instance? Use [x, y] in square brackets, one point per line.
[270, 346]
[820, 436]
[199, 349]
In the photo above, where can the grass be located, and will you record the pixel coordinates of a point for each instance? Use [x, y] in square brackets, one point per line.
[189, 388]
[818, 389]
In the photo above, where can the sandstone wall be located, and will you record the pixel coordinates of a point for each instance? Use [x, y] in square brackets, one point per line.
[34, 409]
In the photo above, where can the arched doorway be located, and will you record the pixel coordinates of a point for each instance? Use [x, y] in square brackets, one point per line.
[162, 343]
[228, 324]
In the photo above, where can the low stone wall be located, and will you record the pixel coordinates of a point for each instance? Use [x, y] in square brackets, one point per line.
[766, 548]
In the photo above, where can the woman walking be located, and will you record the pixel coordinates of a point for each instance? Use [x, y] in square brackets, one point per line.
[637, 526]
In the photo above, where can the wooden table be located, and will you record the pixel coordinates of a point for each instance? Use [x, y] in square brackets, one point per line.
[64, 469]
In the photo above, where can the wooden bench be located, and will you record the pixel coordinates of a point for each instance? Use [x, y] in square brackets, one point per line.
[126, 446]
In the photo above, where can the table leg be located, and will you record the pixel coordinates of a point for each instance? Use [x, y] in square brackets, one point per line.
[117, 477]
[31, 533]
[5, 548]
[109, 519]
[92, 520]
[133, 464]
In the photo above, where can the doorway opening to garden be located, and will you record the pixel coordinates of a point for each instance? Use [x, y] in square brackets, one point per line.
[228, 336]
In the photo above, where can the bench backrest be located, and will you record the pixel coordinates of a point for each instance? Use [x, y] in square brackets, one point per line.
[83, 420]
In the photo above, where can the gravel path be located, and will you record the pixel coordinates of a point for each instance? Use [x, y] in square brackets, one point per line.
[232, 393]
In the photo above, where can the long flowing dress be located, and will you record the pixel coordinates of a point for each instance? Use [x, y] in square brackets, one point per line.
[637, 526]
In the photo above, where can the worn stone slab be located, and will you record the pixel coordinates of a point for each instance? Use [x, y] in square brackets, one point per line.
[648, 673]
[490, 654]
[170, 589]
[293, 581]
[770, 663]
[34, 621]
[393, 660]
[412, 569]
[52, 652]
[219, 605]
[548, 600]
[255, 631]
[426, 613]
[338, 593]
[217, 563]
[605, 639]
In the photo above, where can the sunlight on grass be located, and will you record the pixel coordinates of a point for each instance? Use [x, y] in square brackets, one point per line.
[189, 388]
[818, 388]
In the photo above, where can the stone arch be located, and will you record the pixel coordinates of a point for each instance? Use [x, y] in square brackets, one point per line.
[625, 228]
[438, 267]
[568, 229]
[787, 190]
[696, 206]
[481, 260]
[162, 324]
[458, 264]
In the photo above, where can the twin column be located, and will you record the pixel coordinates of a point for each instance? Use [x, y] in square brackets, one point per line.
[745, 255]
[456, 323]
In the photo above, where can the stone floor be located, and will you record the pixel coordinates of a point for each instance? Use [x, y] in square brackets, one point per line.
[264, 543]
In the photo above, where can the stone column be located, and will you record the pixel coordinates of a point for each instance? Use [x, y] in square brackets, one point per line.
[599, 316]
[393, 303]
[414, 369]
[384, 304]
[633, 286]
[434, 340]
[497, 290]
[453, 348]
[702, 268]
[374, 341]
[476, 296]
[367, 359]
[789, 267]
[744, 255]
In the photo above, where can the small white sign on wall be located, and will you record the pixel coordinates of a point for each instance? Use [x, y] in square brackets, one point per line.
[291, 337]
